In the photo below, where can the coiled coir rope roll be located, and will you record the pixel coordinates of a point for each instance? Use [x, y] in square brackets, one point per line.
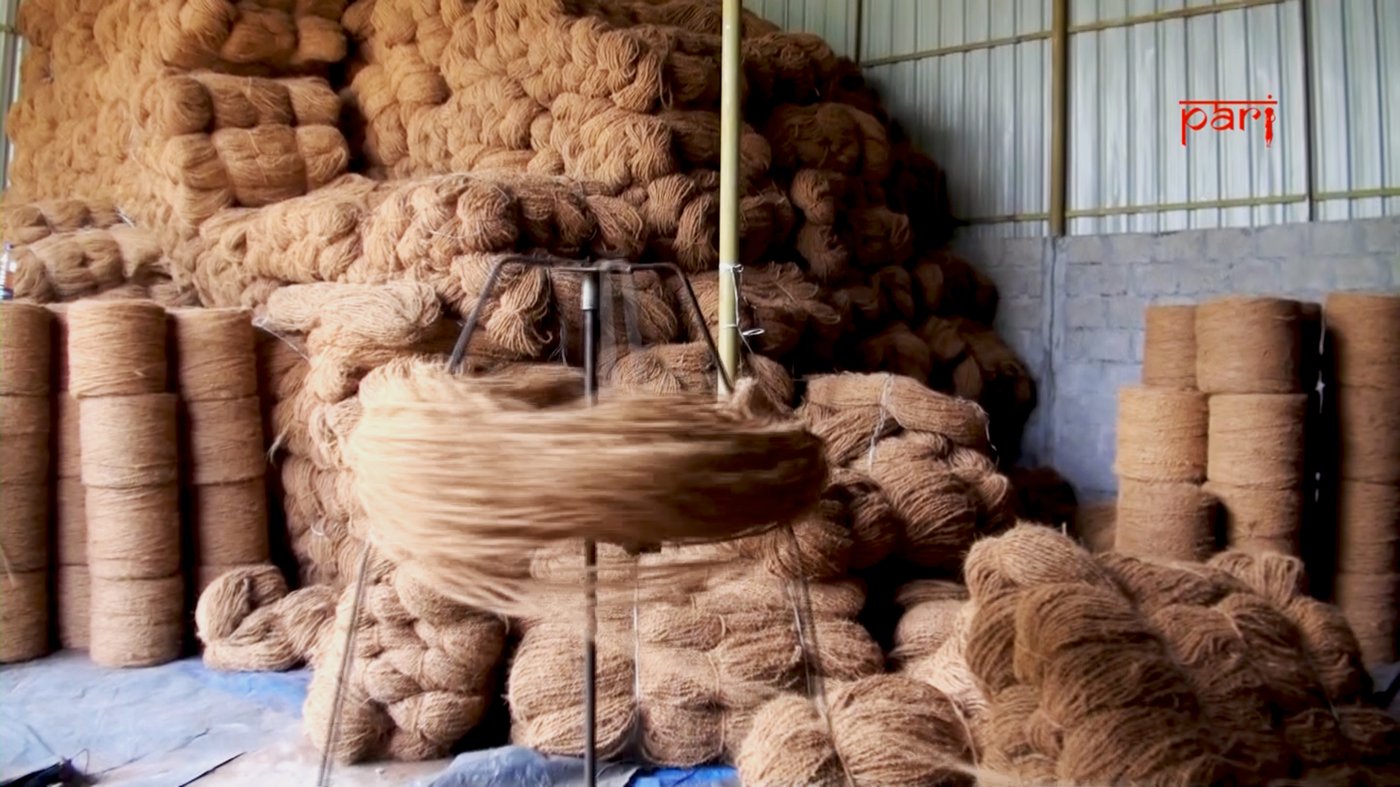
[24, 615]
[1248, 345]
[25, 333]
[136, 622]
[1164, 520]
[1260, 520]
[24, 527]
[1169, 347]
[74, 586]
[116, 348]
[230, 523]
[1364, 328]
[1256, 440]
[134, 532]
[1368, 601]
[1368, 527]
[129, 441]
[1369, 426]
[1161, 434]
[214, 356]
[25, 427]
[225, 439]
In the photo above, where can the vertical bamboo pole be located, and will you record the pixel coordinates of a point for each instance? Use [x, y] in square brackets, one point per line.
[731, 121]
[1059, 112]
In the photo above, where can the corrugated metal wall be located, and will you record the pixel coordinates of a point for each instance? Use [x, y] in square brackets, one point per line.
[972, 81]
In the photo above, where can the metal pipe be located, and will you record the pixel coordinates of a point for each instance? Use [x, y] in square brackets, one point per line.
[1059, 115]
[730, 121]
[589, 307]
[1309, 137]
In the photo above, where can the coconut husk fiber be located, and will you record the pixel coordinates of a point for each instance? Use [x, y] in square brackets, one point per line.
[1249, 345]
[1161, 435]
[1260, 520]
[1257, 440]
[1369, 428]
[24, 421]
[25, 332]
[214, 356]
[133, 532]
[1164, 520]
[136, 622]
[767, 456]
[1368, 601]
[1368, 528]
[24, 527]
[116, 348]
[129, 441]
[1362, 328]
[884, 729]
[24, 615]
[1169, 349]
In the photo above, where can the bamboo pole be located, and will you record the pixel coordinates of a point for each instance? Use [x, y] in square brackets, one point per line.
[1059, 115]
[731, 121]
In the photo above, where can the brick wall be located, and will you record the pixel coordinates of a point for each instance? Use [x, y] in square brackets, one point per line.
[1073, 308]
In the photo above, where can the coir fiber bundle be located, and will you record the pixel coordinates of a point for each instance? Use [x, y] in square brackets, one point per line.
[1166, 521]
[24, 349]
[884, 729]
[1363, 327]
[1161, 435]
[248, 620]
[714, 461]
[906, 401]
[116, 348]
[1260, 520]
[24, 615]
[1256, 440]
[1169, 350]
[1249, 345]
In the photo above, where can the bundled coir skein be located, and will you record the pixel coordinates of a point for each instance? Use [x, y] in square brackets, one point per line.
[130, 473]
[1249, 345]
[1169, 348]
[217, 371]
[24, 480]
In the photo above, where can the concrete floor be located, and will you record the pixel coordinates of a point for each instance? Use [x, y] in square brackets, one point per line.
[294, 761]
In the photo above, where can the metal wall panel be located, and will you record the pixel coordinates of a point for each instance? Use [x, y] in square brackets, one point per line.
[833, 20]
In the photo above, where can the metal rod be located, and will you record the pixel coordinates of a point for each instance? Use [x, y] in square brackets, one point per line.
[589, 307]
[731, 121]
[1309, 138]
[1059, 115]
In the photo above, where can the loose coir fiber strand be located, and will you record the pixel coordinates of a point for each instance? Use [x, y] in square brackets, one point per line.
[214, 356]
[522, 470]
[136, 622]
[1249, 345]
[25, 335]
[129, 441]
[1165, 521]
[1161, 435]
[1369, 426]
[133, 532]
[24, 615]
[24, 424]
[1260, 520]
[116, 348]
[1368, 527]
[1169, 349]
[24, 527]
[1363, 327]
[1256, 440]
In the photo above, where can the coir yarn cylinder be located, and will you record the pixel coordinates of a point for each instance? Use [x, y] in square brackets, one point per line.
[1256, 440]
[225, 439]
[1369, 428]
[1161, 434]
[1260, 520]
[70, 522]
[1095, 524]
[68, 443]
[1166, 521]
[1368, 601]
[136, 622]
[24, 615]
[58, 343]
[230, 523]
[25, 333]
[1368, 528]
[133, 532]
[74, 587]
[214, 353]
[129, 441]
[1249, 345]
[1363, 328]
[24, 526]
[1169, 347]
[24, 424]
[116, 348]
